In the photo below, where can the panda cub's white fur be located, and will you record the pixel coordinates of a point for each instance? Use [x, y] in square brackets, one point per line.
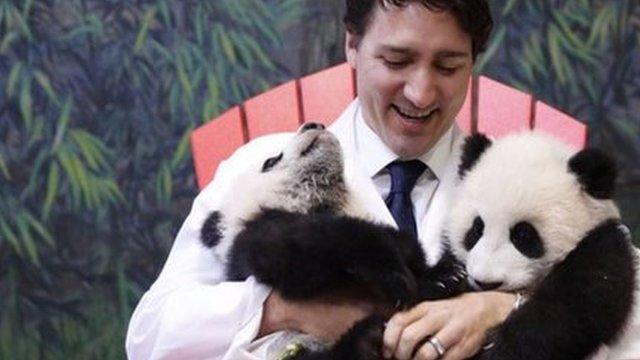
[522, 178]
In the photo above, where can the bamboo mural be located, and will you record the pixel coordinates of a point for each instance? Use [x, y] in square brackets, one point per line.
[97, 99]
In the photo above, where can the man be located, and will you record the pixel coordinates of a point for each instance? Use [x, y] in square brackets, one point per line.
[413, 60]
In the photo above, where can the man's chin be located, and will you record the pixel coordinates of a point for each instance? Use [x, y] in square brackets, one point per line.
[410, 148]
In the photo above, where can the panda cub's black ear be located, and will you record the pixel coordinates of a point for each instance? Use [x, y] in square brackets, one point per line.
[596, 172]
[474, 146]
[211, 232]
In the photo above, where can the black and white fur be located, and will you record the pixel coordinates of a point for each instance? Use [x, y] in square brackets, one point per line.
[532, 216]
[297, 226]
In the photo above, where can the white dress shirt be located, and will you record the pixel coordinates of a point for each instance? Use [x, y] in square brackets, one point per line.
[376, 156]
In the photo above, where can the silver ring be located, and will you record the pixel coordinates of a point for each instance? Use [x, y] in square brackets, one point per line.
[437, 345]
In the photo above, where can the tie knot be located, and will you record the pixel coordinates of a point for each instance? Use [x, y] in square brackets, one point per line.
[404, 175]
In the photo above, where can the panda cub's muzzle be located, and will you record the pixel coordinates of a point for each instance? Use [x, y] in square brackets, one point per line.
[312, 132]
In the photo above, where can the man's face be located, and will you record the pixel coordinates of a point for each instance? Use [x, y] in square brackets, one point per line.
[412, 68]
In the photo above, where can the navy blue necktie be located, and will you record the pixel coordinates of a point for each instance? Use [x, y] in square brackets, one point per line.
[404, 175]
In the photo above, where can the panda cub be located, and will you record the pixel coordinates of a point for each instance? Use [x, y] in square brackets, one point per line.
[298, 227]
[532, 216]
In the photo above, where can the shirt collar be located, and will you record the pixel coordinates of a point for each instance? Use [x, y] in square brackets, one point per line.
[378, 155]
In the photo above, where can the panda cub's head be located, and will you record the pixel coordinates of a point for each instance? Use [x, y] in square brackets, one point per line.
[306, 176]
[524, 202]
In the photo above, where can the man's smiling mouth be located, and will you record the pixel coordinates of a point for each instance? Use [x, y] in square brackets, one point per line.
[413, 115]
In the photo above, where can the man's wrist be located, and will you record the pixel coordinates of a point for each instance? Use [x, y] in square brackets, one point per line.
[274, 315]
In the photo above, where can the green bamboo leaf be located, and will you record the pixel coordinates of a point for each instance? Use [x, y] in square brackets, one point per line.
[164, 11]
[557, 59]
[148, 18]
[92, 193]
[182, 150]
[87, 150]
[82, 177]
[27, 239]
[235, 90]
[243, 49]
[63, 122]
[53, 181]
[508, 7]
[40, 229]
[11, 237]
[494, 45]
[183, 78]
[14, 76]
[43, 80]
[96, 24]
[26, 7]
[34, 183]
[115, 191]
[265, 60]
[167, 183]
[165, 54]
[22, 24]
[163, 183]
[209, 110]
[214, 88]
[565, 29]
[601, 26]
[4, 168]
[26, 103]
[198, 24]
[226, 43]
[6, 42]
[64, 157]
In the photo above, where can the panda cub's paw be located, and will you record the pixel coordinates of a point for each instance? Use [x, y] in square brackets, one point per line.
[362, 342]
[397, 288]
[446, 279]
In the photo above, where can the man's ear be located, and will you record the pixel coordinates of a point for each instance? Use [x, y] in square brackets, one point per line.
[351, 43]
[596, 171]
[474, 146]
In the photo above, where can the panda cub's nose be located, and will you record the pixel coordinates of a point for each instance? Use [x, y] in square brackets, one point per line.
[311, 125]
[486, 286]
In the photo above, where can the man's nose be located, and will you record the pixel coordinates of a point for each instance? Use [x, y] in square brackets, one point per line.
[420, 89]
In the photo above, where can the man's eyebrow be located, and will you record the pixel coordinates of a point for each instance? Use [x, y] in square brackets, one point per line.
[397, 49]
[452, 54]
[440, 54]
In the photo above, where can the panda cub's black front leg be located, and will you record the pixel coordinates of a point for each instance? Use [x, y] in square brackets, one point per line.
[362, 342]
[309, 255]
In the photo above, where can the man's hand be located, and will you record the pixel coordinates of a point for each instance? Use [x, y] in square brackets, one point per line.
[326, 318]
[460, 324]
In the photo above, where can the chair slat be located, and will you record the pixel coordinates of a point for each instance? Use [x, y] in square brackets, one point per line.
[215, 141]
[560, 125]
[464, 116]
[274, 111]
[502, 109]
[327, 93]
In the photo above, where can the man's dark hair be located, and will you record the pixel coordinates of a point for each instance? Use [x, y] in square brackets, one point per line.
[473, 16]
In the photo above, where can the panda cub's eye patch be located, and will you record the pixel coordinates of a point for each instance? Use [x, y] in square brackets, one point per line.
[474, 233]
[271, 162]
[526, 239]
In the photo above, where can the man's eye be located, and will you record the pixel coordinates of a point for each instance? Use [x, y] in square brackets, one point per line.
[395, 64]
[447, 70]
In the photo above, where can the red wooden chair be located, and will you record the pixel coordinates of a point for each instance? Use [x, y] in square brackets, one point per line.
[491, 108]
